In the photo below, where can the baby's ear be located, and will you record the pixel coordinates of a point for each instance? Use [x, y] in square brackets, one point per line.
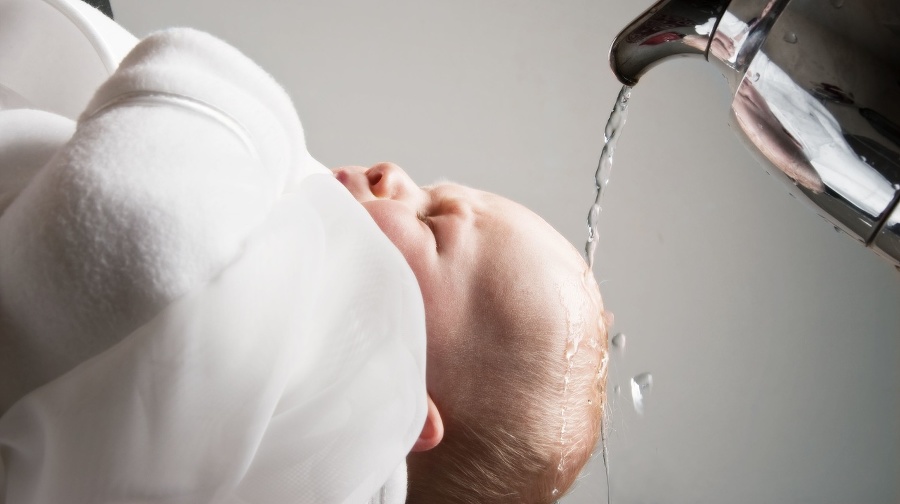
[432, 431]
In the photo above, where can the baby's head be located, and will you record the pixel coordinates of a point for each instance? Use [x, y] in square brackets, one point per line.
[517, 341]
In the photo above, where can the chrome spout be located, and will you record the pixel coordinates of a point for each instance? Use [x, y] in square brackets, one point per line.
[669, 28]
[815, 95]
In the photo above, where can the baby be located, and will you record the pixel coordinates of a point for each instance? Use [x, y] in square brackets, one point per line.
[516, 341]
[193, 309]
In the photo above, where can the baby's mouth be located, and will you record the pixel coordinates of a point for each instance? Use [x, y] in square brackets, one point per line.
[351, 181]
[340, 174]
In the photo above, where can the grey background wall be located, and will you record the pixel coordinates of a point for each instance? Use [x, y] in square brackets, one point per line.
[774, 341]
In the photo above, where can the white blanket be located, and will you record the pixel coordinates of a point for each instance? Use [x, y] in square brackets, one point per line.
[193, 309]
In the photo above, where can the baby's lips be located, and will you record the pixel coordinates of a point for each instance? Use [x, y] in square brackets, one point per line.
[341, 174]
[354, 179]
[345, 173]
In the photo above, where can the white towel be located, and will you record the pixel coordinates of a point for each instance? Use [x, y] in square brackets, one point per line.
[214, 316]
[178, 157]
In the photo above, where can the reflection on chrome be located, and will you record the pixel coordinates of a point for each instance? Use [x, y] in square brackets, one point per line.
[816, 94]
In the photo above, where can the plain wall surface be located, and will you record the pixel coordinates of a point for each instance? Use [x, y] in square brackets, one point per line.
[773, 341]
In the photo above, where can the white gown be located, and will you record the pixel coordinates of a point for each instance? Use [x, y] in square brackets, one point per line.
[192, 309]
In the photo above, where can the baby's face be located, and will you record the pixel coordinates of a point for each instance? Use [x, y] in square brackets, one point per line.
[476, 255]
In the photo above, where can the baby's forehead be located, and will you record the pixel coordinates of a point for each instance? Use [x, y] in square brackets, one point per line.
[513, 235]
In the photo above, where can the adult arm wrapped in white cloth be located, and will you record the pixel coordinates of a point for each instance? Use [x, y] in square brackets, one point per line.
[207, 315]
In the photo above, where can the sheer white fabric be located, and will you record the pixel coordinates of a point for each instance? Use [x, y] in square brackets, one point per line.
[285, 365]
[287, 379]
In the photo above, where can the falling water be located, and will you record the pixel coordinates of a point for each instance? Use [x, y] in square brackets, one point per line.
[601, 177]
[641, 385]
[618, 341]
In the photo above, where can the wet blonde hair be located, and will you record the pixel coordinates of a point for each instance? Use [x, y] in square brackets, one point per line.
[525, 436]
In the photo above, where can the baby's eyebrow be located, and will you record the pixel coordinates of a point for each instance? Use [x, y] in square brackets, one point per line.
[441, 181]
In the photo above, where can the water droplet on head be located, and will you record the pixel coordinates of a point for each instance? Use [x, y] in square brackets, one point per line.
[555, 492]
[641, 385]
[618, 341]
[837, 4]
[790, 37]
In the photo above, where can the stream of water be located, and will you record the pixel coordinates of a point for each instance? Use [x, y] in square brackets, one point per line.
[601, 179]
[604, 168]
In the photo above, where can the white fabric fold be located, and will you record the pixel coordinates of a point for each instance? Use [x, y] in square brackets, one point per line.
[270, 385]
[394, 489]
[181, 154]
[56, 53]
[192, 309]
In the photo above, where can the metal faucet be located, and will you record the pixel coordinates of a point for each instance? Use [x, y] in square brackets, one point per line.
[816, 88]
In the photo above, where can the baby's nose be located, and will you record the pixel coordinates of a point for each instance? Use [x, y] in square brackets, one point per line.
[388, 180]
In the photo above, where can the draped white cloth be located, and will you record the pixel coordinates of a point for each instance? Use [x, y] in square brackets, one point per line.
[191, 308]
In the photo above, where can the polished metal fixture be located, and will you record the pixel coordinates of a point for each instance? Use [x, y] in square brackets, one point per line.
[816, 88]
